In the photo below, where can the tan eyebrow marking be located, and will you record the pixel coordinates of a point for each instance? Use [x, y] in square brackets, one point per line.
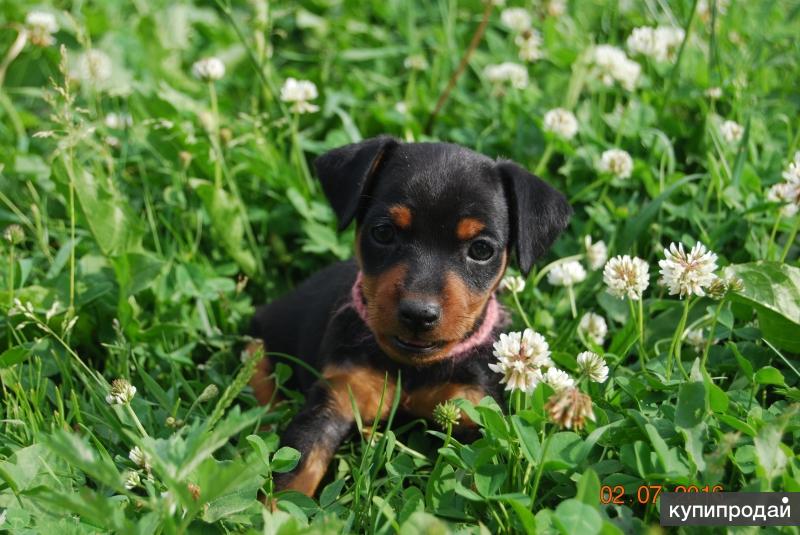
[401, 216]
[468, 228]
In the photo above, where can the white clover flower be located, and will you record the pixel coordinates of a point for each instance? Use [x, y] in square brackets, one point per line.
[569, 408]
[121, 392]
[208, 69]
[139, 458]
[616, 162]
[517, 375]
[516, 19]
[731, 131]
[14, 234]
[41, 26]
[610, 64]
[596, 253]
[132, 479]
[606, 59]
[786, 194]
[714, 93]
[401, 107]
[415, 62]
[530, 45]
[695, 338]
[558, 379]
[520, 357]
[626, 277]
[671, 35]
[528, 345]
[513, 283]
[627, 73]
[299, 93]
[556, 8]
[508, 346]
[593, 326]
[792, 172]
[566, 274]
[687, 274]
[643, 41]
[93, 67]
[537, 349]
[658, 43]
[118, 121]
[41, 19]
[593, 366]
[513, 73]
[561, 122]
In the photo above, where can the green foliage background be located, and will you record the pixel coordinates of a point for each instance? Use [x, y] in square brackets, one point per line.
[147, 245]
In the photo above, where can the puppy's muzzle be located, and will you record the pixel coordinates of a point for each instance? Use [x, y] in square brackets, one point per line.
[418, 315]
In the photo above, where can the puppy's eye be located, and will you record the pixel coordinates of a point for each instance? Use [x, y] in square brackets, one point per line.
[480, 250]
[383, 234]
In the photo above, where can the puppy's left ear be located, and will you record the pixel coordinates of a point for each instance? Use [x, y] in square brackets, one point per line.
[538, 213]
[346, 174]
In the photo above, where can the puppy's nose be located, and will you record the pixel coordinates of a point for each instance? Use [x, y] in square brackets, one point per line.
[419, 315]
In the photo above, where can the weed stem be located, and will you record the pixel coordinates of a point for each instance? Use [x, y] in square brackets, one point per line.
[473, 44]
[789, 242]
[711, 334]
[521, 311]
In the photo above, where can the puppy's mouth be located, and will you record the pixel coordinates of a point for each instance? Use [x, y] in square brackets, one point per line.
[416, 346]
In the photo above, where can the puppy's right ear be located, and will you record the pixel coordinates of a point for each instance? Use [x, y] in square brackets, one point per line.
[346, 174]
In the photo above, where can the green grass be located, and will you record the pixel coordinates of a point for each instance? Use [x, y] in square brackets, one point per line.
[144, 248]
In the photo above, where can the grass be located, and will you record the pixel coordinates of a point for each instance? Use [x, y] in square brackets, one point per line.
[150, 211]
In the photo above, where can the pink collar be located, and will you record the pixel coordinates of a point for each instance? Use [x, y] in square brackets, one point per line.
[479, 337]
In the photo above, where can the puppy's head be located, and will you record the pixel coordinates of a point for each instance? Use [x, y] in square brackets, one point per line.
[436, 224]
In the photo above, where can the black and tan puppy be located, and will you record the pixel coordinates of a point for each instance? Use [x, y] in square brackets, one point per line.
[435, 226]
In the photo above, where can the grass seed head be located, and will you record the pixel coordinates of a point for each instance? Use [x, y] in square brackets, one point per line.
[446, 415]
[209, 393]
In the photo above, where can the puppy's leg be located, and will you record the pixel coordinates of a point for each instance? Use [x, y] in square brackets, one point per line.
[328, 417]
[262, 381]
[316, 432]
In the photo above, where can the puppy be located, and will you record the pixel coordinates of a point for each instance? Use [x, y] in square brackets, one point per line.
[435, 226]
